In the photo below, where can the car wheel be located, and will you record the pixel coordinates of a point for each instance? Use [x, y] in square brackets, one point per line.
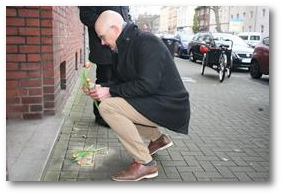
[255, 70]
[192, 57]
[203, 64]
[180, 53]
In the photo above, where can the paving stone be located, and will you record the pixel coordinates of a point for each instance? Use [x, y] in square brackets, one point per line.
[51, 176]
[226, 142]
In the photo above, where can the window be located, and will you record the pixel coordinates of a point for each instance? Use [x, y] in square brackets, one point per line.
[81, 56]
[263, 12]
[262, 28]
[232, 16]
[63, 75]
[238, 16]
[251, 14]
[76, 61]
[244, 14]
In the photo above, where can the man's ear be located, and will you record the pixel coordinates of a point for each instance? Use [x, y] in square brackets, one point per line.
[116, 29]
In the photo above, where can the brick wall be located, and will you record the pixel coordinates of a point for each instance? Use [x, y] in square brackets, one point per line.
[44, 52]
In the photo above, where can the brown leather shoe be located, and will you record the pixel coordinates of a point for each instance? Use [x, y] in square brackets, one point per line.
[161, 143]
[136, 172]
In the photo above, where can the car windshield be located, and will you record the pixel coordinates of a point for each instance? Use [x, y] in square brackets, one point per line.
[265, 41]
[186, 38]
[255, 38]
[236, 40]
[244, 37]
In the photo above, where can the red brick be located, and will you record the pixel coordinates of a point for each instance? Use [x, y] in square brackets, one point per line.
[47, 49]
[34, 13]
[48, 66]
[49, 104]
[32, 22]
[46, 14]
[16, 92]
[12, 49]
[30, 66]
[49, 112]
[12, 66]
[13, 115]
[46, 40]
[15, 40]
[12, 83]
[34, 74]
[47, 57]
[31, 83]
[48, 89]
[15, 22]
[29, 49]
[12, 100]
[16, 74]
[11, 11]
[36, 108]
[46, 23]
[46, 31]
[32, 115]
[48, 73]
[15, 57]
[11, 31]
[29, 31]
[33, 57]
[31, 100]
[33, 40]
[48, 81]
[35, 91]
[49, 97]
[17, 108]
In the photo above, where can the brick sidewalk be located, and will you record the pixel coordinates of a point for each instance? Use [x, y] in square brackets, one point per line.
[218, 147]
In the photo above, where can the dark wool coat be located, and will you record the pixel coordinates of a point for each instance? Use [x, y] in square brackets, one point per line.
[99, 54]
[147, 78]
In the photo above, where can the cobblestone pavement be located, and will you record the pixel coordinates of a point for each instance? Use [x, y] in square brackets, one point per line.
[228, 138]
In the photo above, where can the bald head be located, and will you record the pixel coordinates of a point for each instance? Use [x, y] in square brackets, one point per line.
[109, 18]
[108, 27]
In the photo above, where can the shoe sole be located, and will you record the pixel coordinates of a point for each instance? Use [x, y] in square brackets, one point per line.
[140, 178]
[162, 148]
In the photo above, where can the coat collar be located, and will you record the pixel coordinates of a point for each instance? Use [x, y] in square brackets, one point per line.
[128, 33]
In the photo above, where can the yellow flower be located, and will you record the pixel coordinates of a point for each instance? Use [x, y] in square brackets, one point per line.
[87, 65]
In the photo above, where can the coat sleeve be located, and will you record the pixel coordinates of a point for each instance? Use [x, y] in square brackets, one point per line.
[148, 70]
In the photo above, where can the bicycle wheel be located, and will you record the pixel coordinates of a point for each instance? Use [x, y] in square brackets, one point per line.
[229, 68]
[203, 64]
[222, 66]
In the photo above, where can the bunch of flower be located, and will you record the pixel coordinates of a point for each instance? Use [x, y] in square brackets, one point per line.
[86, 81]
[79, 155]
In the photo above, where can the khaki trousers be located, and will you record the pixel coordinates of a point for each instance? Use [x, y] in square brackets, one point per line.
[129, 125]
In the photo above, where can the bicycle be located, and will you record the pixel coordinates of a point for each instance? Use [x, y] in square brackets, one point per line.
[218, 58]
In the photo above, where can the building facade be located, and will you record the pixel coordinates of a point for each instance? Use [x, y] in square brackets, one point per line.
[251, 19]
[45, 49]
[185, 17]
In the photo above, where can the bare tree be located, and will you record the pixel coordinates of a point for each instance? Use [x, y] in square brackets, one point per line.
[217, 20]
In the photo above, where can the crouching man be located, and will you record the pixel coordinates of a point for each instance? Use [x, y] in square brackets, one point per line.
[148, 93]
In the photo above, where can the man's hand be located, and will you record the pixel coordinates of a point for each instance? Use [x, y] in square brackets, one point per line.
[85, 90]
[99, 93]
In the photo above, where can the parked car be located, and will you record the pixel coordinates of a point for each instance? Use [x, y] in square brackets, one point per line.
[241, 51]
[181, 46]
[251, 38]
[260, 59]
